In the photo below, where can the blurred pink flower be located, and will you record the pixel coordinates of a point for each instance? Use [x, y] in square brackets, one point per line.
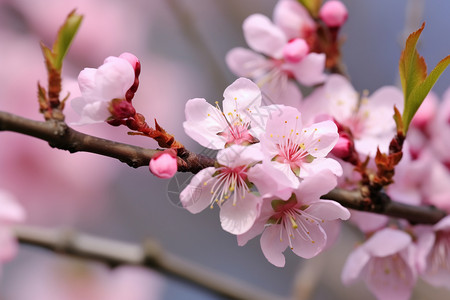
[369, 119]
[386, 263]
[273, 69]
[333, 13]
[433, 253]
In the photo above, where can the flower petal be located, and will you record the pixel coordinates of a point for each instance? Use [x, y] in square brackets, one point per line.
[313, 187]
[310, 70]
[114, 78]
[263, 36]
[273, 245]
[328, 210]
[247, 63]
[354, 264]
[321, 137]
[242, 96]
[203, 123]
[197, 196]
[293, 19]
[386, 242]
[239, 218]
[311, 246]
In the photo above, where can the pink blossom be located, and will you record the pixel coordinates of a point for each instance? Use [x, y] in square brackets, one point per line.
[293, 19]
[238, 122]
[385, 262]
[164, 165]
[292, 151]
[227, 186]
[10, 213]
[275, 66]
[433, 253]
[369, 118]
[333, 13]
[99, 86]
[297, 222]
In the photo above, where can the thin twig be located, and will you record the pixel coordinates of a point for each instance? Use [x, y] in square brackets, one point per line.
[61, 136]
[150, 254]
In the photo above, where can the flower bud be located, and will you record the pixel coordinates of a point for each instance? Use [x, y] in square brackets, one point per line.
[343, 147]
[333, 13]
[132, 59]
[295, 50]
[164, 164]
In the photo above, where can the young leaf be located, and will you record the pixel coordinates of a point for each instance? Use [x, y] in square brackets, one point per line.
[65, 36]
[313, 6]
[413, 75]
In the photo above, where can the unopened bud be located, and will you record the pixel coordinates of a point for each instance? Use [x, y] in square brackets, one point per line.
[295, 50]
[343, 148]
[164, 164]
[132, 59]
[333, 13]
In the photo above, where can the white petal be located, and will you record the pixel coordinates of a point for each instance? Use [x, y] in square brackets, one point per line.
[197, 196]
[239, 218]
[272, 246]
[247, 63]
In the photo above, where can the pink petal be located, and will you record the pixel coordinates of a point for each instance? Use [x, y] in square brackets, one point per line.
[237, 155]
[354, 264]
[257, 228]
[310, 70]
[203, 123]
[390, 279]
[86, 82]
[197, 196]
[312, 188]
[242, 97]
[11, 211]
[368, 222]
[114, 78]
[263, 36]
[325, 136]
[424, 243]
[247, 63]
[443, 224]
[285, 116]
[311, 246]
[271, 245]
[321, 164]
[293, 19]
[267, 182]
[328, 210]
[239, 218]
[386, 242]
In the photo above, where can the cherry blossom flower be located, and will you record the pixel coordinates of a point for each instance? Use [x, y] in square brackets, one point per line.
[386, 263]
[433, 253]
[238, 123]
[293, 151]
[297, 222]
[369, 118]
[283, 55]
[99, 86]
[228, 187]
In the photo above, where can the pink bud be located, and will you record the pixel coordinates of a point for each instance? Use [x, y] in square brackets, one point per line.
[164, 165]
[334, 13]
[131, 58]
[295, 50]
[343, 147]
[121, 109]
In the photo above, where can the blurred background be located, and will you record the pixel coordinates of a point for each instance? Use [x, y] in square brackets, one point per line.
[181, 45]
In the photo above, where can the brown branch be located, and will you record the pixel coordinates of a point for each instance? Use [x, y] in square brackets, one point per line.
[384, 205]
[61, 136]
[150, 255]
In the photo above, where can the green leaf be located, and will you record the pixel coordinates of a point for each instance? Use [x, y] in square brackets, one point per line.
[413, 75]
[65, 36]
[54, 57]
[313, 6]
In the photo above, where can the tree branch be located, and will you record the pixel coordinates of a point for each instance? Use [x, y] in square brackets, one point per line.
[61, 136]
[150, 255]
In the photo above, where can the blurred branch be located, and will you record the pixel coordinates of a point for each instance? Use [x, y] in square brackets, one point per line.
[61, 136]
[150, 254]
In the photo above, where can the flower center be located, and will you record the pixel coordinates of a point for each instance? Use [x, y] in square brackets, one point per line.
[229, 182]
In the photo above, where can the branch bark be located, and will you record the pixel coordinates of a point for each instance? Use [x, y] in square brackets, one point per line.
[61, 136]
[150, 255]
